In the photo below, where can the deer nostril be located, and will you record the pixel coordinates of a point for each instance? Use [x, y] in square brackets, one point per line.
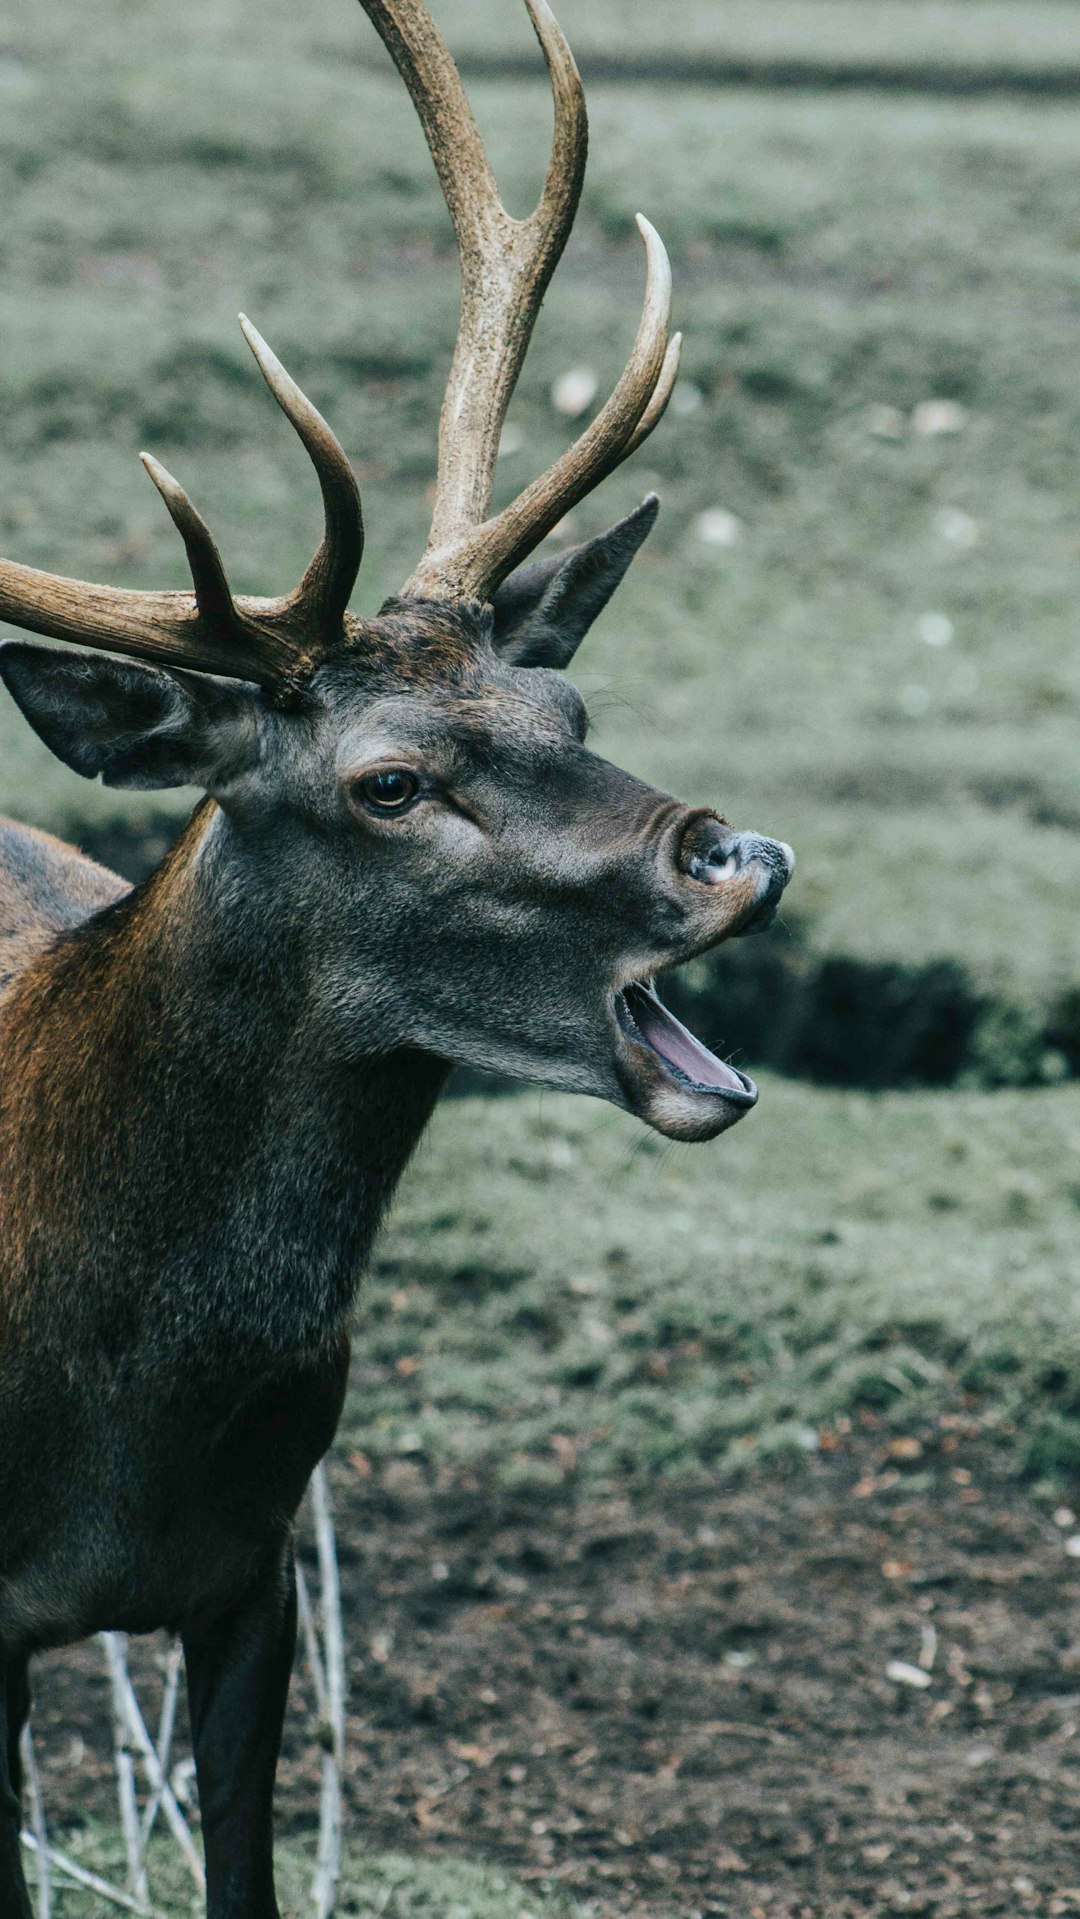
[713, 867]
[711, 852]
[708, 850]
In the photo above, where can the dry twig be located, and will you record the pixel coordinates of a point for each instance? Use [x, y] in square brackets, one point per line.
[135, 1751]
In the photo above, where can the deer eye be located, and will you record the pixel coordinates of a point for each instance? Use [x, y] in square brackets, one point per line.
[389, 791]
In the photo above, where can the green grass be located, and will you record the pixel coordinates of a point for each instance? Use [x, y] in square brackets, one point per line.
[919, 33]
[383, 1886]
[1043, 36]
[832, 255]
[560, 1293]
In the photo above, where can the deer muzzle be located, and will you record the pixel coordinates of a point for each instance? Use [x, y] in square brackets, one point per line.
[730, 884]
[751, 871]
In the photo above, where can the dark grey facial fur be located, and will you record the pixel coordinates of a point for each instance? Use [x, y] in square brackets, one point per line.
[489, 921]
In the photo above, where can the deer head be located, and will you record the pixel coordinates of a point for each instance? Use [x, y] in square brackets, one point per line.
[411, 796]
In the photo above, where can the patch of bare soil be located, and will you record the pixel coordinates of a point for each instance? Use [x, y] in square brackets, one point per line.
[844, 1688]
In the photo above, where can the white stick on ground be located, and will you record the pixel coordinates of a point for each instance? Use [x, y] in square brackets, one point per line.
[324, 1646]
[174, 1660]
[144, 1745]
[37, 1820]
[59, 1862]
[309, 1633]
[115, 1648]
[328, 1864]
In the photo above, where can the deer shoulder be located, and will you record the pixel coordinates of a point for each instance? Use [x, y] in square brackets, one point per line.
[46, 888]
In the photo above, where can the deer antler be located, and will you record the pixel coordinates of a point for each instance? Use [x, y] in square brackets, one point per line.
[276, 642]
[506, 265]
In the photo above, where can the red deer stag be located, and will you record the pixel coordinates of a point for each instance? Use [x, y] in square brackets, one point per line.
[209, 1085]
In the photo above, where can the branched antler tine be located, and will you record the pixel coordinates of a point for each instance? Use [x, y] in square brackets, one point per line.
[570, 144]
[329, 580]
[166, 628]
[475, 565]
[658, 405]
[424, 62]
[212, 595]
[506, 264]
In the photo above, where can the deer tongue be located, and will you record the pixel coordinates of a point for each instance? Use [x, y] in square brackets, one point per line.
[678, 1047]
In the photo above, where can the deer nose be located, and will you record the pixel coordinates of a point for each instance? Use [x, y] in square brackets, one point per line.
[710, 852]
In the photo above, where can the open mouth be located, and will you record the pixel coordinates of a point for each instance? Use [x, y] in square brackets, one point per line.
[644, 1018]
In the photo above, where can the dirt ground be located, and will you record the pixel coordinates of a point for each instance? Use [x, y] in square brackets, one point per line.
[687, 1701]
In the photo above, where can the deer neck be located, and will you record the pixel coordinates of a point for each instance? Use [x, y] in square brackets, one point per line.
[194, 1139]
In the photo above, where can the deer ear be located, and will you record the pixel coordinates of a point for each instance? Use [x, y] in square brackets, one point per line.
[544, 611]
[134, 725]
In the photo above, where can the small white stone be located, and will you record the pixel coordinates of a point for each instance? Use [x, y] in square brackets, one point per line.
[1064, 1516]
[686, 398]
[718, 527]
[958, 529]
[915, 699]
[885, 422]
[1072, 1546]
[808, 1439]
[902, 1674]
[15, 75]
[936, 419]
[935, 629]
[574, 392]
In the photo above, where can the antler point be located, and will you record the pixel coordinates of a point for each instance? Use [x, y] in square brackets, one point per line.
[169, 488]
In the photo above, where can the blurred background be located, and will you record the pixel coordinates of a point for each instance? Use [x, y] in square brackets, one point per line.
[854, 629]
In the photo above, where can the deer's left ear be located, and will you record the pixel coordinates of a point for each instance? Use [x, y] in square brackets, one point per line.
[544, 611]
[134, 725]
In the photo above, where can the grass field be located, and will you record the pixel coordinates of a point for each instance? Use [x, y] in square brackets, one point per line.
[1040, 38]
[561, 1293]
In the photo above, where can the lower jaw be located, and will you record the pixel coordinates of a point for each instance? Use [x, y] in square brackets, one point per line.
[668, 1095]
[687, 1115]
